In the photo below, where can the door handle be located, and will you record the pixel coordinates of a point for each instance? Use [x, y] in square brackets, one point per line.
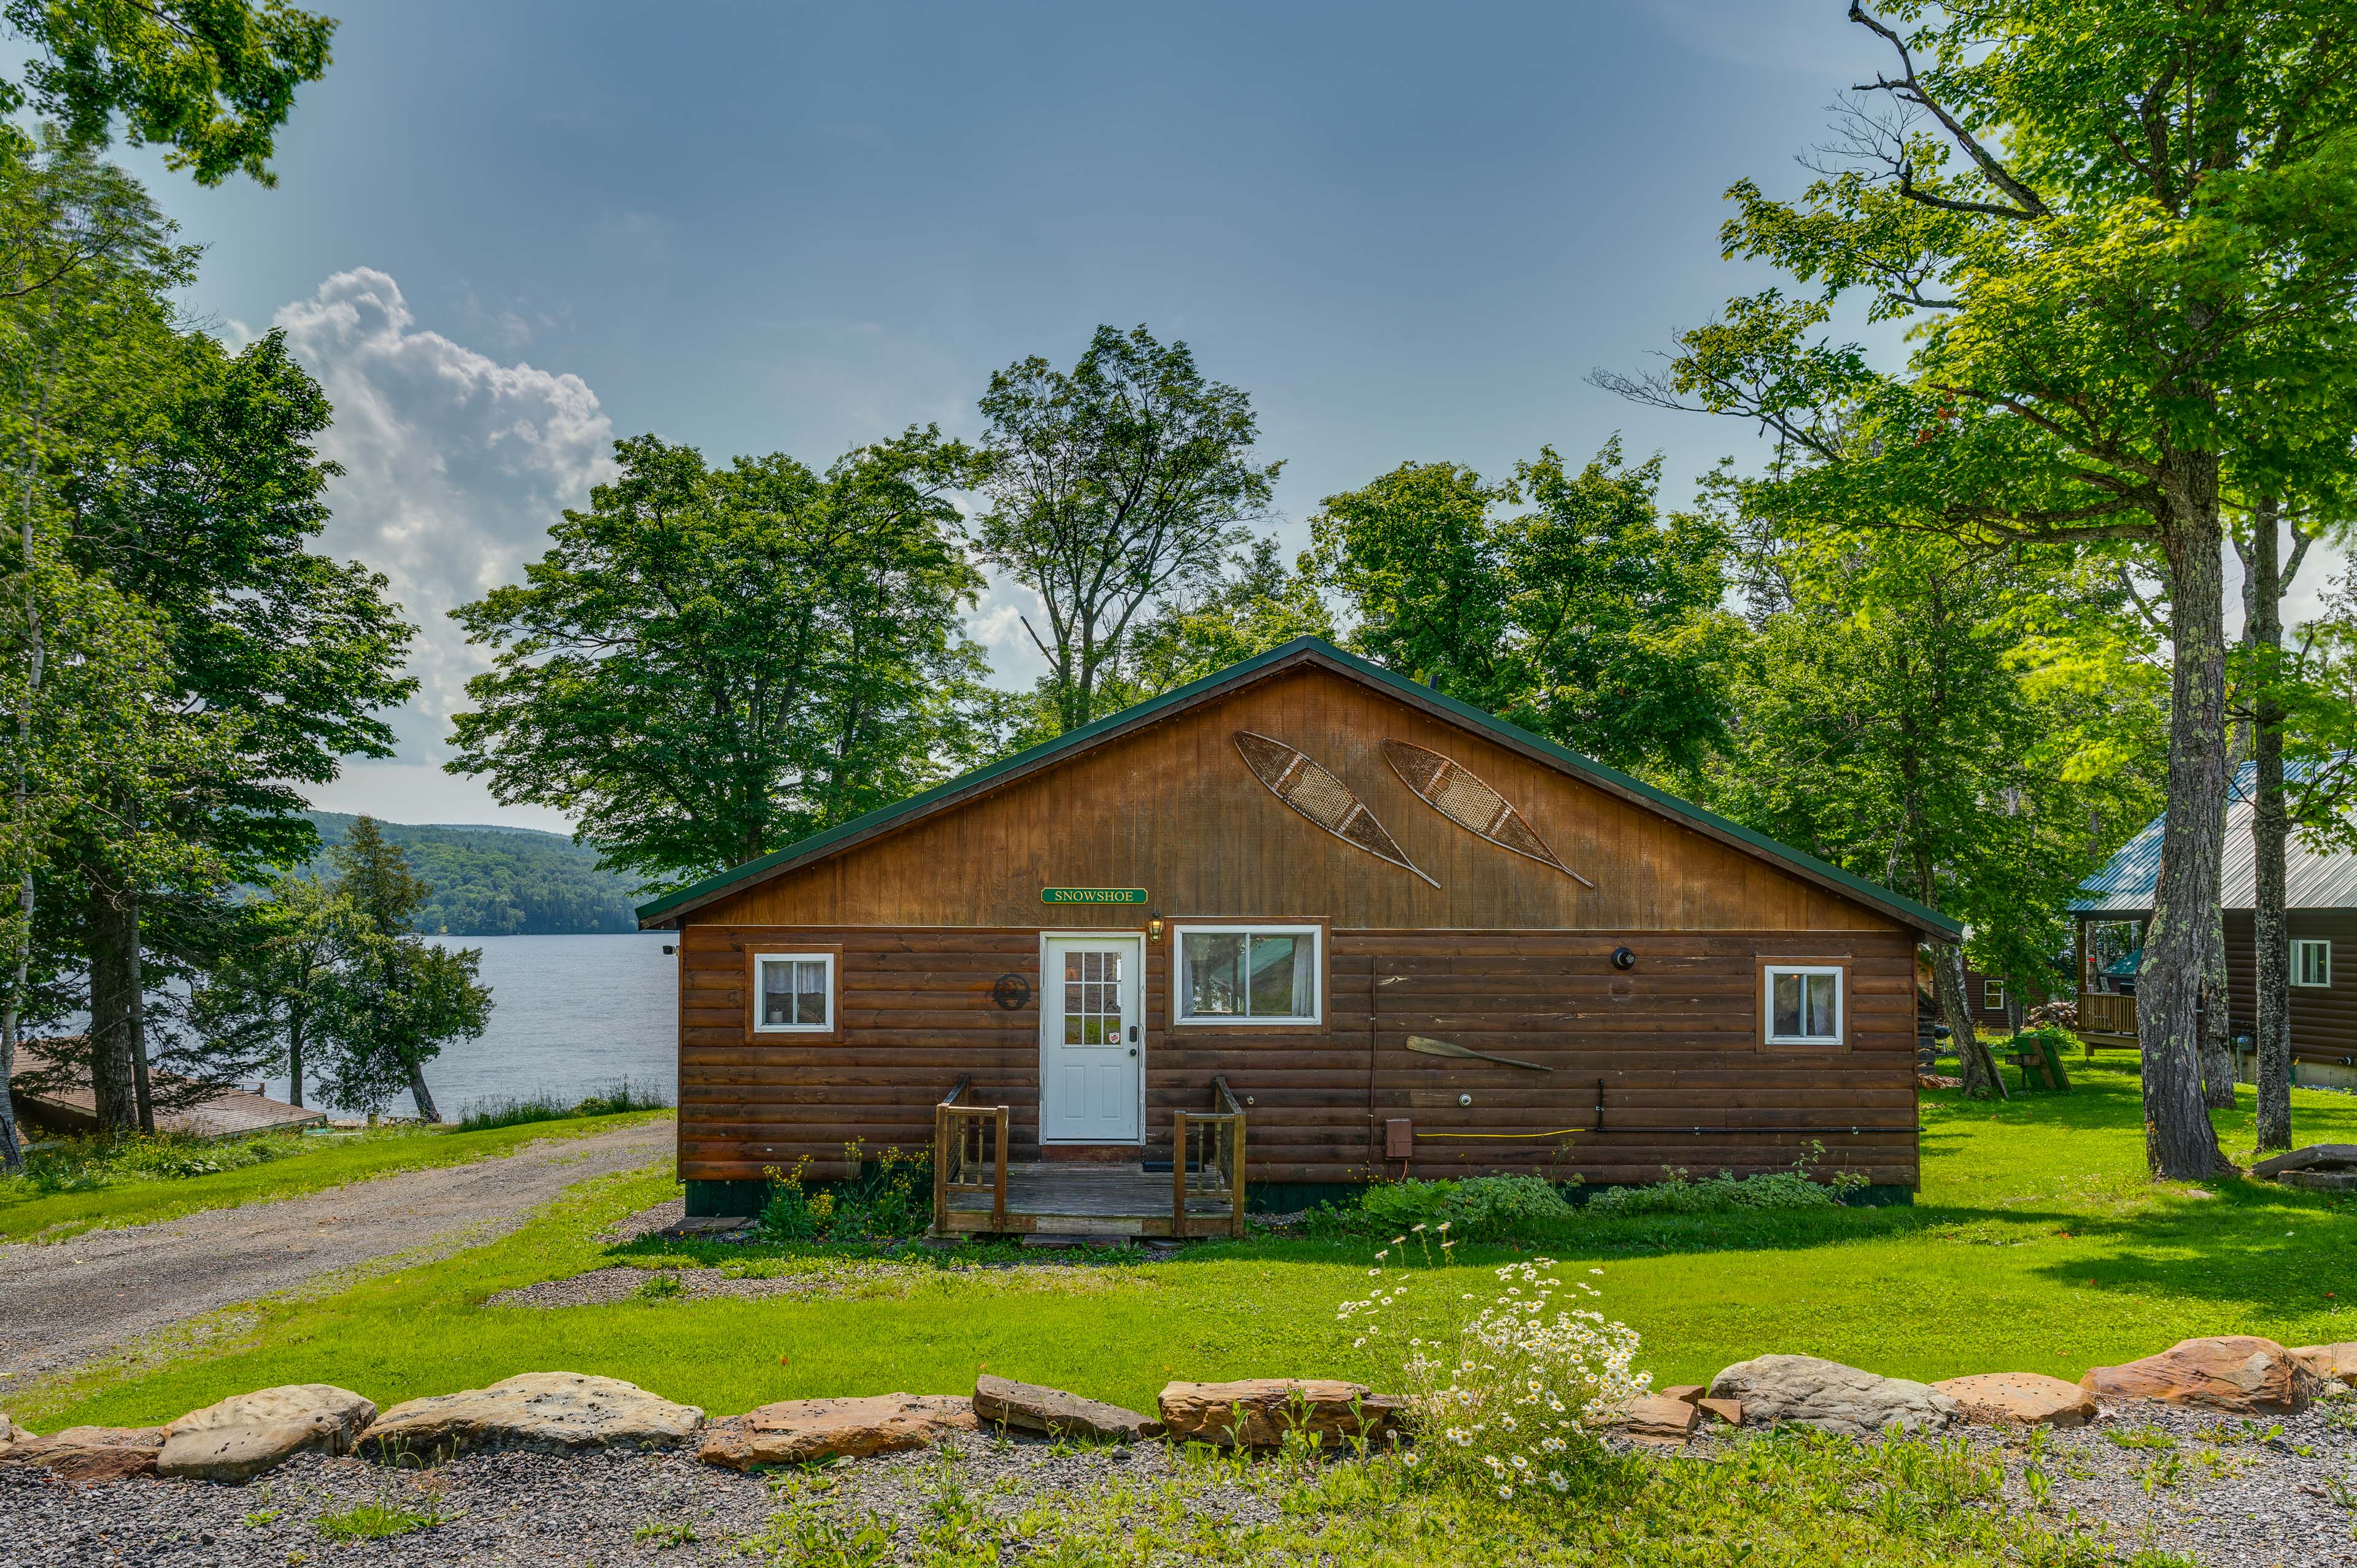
[1133, 1050]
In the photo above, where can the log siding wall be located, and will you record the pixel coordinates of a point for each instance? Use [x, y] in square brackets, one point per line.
[2324, 1018]
[1673, 1044]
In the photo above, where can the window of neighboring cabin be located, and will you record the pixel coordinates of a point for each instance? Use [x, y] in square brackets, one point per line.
[2311, 962]
[1801, 1004]
[1992, 995]
[1248, 974]
[793, 993]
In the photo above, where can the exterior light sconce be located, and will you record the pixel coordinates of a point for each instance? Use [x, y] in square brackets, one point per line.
[1154, 927]
[1623, 958]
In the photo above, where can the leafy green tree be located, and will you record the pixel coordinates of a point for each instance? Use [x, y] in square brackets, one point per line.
[210, 80]
[708, 664]
[1257, 605]
[399, 998]
[1589, 617]
[270, 1004]
[1111, 487]
[2125, 241]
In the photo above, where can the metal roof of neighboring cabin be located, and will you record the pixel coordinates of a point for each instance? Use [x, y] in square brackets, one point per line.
[2313, 879]
[673, 906]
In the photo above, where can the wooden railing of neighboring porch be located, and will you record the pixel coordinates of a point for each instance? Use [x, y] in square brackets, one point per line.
[1207, 1159]
[969, 1154]
[2106, 1018]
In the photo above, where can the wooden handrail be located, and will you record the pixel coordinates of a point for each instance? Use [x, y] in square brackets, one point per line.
[1221, 1165]
[956, 1126]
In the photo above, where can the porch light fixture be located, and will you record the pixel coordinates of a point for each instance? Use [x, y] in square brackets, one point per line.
[1154, 925]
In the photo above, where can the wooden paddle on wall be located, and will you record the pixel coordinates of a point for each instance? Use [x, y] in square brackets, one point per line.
[1425, 1046]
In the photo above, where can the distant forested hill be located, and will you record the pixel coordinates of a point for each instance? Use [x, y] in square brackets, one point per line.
[501, 882]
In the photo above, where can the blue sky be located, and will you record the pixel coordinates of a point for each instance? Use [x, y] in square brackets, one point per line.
[506, 234]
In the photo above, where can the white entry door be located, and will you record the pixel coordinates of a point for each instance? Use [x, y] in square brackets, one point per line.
[1091, 1026]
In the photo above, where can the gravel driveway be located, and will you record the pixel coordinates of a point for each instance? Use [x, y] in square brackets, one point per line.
[70, 1301]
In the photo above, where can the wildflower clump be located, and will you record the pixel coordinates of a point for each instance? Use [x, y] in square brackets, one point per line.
[1506, 1386]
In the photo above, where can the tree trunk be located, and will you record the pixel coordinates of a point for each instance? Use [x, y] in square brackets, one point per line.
[2217, 1052]
[417, 1090]
[1974, 1063]
[112, 1015]
[2270, 831]
[294, 1058]
[135, 977]
[2179, 1143]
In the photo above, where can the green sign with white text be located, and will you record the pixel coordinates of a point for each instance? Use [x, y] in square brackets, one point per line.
[1092, 895]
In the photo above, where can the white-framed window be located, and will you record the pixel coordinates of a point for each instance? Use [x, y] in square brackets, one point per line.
[1801, 1004]
[1992, 995]
[2311, 961]
[793, 993]
[1248, 974]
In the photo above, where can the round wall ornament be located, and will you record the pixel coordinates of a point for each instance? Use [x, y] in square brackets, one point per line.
[1011, 992]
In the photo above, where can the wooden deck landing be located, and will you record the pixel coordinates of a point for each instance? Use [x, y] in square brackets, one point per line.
[1090, 1200]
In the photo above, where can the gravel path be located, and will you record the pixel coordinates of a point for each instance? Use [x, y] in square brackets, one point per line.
[2239, 1496]
[70, 1301]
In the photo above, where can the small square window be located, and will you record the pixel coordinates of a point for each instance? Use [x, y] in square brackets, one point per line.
[1992, 995]
[1802, 1004]
[1248, 974]
[2311, 962]
[793, 993]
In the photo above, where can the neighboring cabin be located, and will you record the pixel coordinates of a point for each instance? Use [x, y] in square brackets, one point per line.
[1287, 904]
[2321, 893]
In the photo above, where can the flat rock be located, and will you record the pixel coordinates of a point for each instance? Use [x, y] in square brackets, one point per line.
[2327, 1156]
[2335, 1361]
[1029, 1407]
[1658, 1418]
[246, 1434]
[1686, 1391]
[795, 1431]
[1811, 1391]
[10, 1433]
[1727, 1412]
[2020, 1399]
[2319, 1181]
[91, 1454]
[1328, 1408]
[541, 1412]
[2237, 1373]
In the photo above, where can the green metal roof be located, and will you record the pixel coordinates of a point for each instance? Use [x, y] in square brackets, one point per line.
[1316, 649]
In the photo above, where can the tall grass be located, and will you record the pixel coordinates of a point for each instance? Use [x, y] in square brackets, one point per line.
[508, 1111]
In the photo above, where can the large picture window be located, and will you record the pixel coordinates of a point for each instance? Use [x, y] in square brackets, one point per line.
[2311, 962]
[793, 993]
[1801, 1004]
[1248, 974]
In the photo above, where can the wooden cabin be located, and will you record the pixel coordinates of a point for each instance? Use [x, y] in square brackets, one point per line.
[1302, 924]
[2320, 896]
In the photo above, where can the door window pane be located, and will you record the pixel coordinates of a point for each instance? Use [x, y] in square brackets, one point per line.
[1091, 998]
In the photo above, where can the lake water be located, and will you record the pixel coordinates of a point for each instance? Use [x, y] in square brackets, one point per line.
[569, 1016]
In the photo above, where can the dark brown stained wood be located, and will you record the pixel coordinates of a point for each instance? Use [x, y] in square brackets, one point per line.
[2324, 1018]
[1673, 1044]
[1170, 809]
[1457, 793]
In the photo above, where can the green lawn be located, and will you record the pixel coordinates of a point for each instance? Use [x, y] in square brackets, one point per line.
[2037, 1245]
[319, 1162]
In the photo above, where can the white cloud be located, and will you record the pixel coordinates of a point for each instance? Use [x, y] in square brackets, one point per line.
[455, 463]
